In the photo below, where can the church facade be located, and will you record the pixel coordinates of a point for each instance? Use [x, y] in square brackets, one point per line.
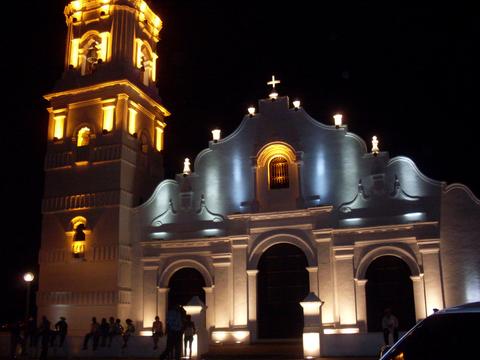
[282, 207]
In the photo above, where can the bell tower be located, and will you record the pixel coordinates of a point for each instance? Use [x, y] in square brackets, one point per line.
[104, 157]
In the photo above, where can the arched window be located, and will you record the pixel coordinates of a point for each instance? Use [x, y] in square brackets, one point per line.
[278, 173]
[144, 143]
[78, 241]
[83, 136]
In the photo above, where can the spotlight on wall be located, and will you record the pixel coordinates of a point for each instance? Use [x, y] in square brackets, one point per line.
[216, 134]
[251, 111]
[296, 104]
[338, 120]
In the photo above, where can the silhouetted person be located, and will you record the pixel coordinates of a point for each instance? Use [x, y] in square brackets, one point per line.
[61, 329]
[389, 326]
[44, 335]
[188, 332]
[174, 333]
[92, 334]
[129, 331]
[15, 339]
[31, 332]
[104, 330]
[157, 332]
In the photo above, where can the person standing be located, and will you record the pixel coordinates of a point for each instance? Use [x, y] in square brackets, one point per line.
[129, 331]
[188, 332]
[174, 333]
[389, 326]
[104, 330]
[157, 332]
[44, 334]
[92, 334]
[61, 329]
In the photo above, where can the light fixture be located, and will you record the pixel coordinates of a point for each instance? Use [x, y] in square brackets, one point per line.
[273, 95]
[375, 149]
[216, 134]
[28, 277]
[186, 167]
[338, 120]
[251, 111]
[296, 104]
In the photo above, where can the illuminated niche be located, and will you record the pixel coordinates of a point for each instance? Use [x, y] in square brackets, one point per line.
[89, 51]
[83, 136]
[277, 158]
[79, 237]
[58, 126]
[158, 138]
[145, 60]
[144, 142]
[108, 117]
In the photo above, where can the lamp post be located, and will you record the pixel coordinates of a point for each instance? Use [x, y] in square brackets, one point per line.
[28, 277]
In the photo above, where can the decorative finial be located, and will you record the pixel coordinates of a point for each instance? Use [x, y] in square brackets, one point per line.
[251, 111]
[273, 95]
[296, 104]
[375, 149]
[216, 134]
[186, 167]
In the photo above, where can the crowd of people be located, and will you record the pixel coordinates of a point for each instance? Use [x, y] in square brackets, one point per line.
[26, 335]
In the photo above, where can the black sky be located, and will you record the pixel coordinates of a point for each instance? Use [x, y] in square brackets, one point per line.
[408, 74]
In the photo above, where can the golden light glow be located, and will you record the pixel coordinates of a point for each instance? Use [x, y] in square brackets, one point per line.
[138, 51]
[83, 136]
[28, 277]
[296, 104]
[338, 120]
[154, 66]
[311, 345]
[240, 336]
[105, 9]
[341, 331]
[132, 121]
[78, 16]
[269, 151]
[108, 117]
[158, 138]
[103, 53]
[219, 336]
[77, 5]
[216, 134]
[107, 84]
[375, 149]
[77, 220]
[74, 52]
[58, 126]
[143, 6]
[156, 21]
[78, 247]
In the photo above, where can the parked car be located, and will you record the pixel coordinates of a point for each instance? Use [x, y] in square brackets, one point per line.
[452, 333]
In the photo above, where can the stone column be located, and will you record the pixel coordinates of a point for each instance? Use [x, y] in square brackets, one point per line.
[149, 295]
[222, 305]
[252, 303]
[432, 280]
[121, 112]
[163, 305]
[344, 285]
[210, 307]
[313, 279]
[419, 296]
[240, 289]
[325, 276]
[312, 327]
[361, 302]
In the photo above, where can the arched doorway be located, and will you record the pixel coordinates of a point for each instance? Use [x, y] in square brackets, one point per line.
[389, 286]
[185, 284]
[282, 284]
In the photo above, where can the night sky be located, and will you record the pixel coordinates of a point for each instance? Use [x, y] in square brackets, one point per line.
[408, 74]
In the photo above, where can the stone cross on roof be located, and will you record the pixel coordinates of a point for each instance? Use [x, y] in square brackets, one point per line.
[273, 82]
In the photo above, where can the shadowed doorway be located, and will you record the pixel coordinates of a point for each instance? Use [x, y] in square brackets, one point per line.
[185, 284]
[389, 286]
[282, 283]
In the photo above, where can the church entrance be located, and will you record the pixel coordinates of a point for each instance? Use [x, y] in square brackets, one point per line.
[185, 284]
[282, 283]
[389, 286]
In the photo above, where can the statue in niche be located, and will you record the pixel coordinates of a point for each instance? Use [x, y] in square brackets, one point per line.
[92, 56]
[79, 234]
